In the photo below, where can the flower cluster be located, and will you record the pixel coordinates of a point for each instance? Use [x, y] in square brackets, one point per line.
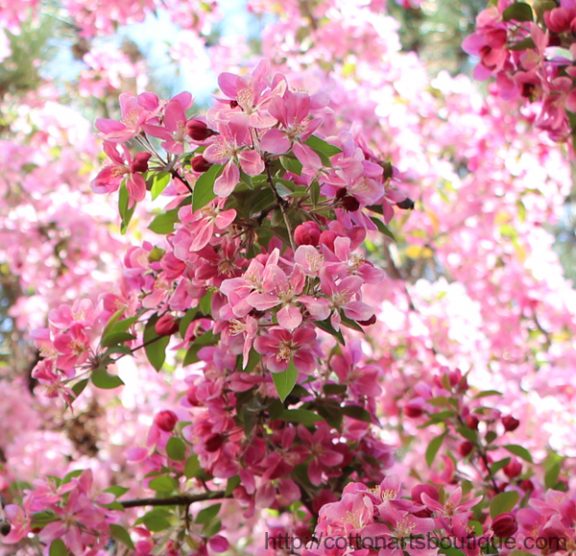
[530, 52]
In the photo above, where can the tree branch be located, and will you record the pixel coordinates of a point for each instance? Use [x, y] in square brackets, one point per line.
[180, 500]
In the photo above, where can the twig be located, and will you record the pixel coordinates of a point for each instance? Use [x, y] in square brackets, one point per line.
[181, 500]
[281, 204]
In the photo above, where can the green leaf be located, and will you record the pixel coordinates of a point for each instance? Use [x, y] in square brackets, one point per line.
[104, 380]
[120, 534]
[334, 389]
[163, 484]
[291, 164]
[125, 212]
[156, 520]
[467, 433]
[58, 548]
[205, 304]
[231, 484]
[192, 468]
[160, 181]
[357, 412]
[524, 44]
[41, 519]
[176, 449]
[117, 490]
[518, 12]
[503, 502]
[500, 464]
[322, 147]
[382, 228]
[552, 466]
[315, 193]
[164, 222]
[207, 339]
[486, 393]
[204, 187]
[285, 381]
[519, 451]
[326, 325]
[433, 448]
[79, 387]
[206, 515]
[116, 329]
[154, 345]
[349, 323]
[490, 436]
[185, 321]
[253, 360]
[302, 416]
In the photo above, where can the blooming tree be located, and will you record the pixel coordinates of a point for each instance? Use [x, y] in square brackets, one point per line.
[319, 316]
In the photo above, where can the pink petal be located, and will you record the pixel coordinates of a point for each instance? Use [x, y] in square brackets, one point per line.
[289, 317]
[136, 189]
[275, 142]
[227, 181]
[251, 162]
[230, 84]
[225, 218]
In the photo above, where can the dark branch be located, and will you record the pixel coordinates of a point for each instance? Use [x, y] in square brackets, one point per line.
[181, 500]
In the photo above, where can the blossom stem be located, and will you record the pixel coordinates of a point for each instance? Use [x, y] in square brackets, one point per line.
[281, 203]
[180, 500]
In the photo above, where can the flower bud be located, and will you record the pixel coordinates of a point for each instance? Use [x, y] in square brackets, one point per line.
[140, 162]
[198, 130]
[307, 233]
[200, 164]
[527, 485]
[413, 409]
[215, 442]
[472, 422]
[166, 325]
[166, 420]
[513, 469]
[510, 423]
[465, 448]
[558, 20]
[406, 204]
[504, 525]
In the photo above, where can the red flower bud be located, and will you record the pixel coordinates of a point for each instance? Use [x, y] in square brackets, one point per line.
[406, 204]
[413, 409]
[465, 448]
[504, 525]
[513, 469]
[510, 423]
[472, 422]
[307, 233]
[198, 130]
[558, 20]
[200, 164]
[166, 325]
[527, 485]
[166, 420]
[140, 162]
[215, 442]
